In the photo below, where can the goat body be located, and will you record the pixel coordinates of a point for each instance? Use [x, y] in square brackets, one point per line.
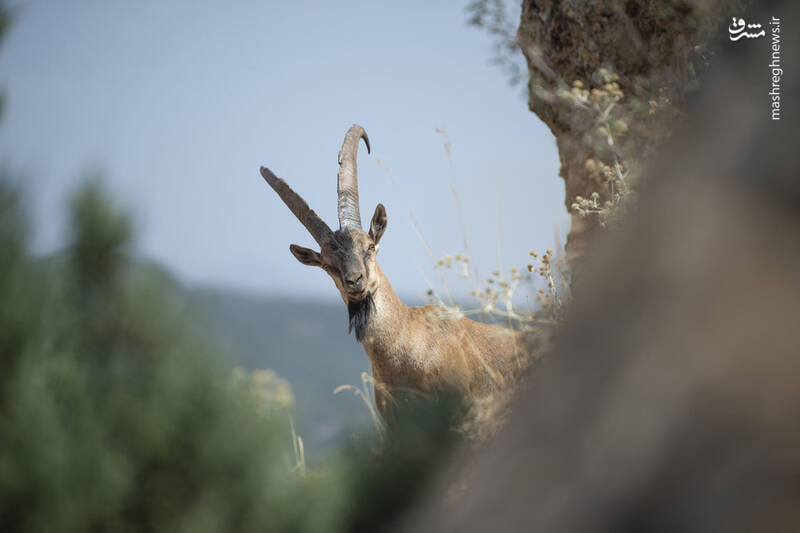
[412, 349]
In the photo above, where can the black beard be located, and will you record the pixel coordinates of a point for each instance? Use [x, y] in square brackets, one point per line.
[359, 313]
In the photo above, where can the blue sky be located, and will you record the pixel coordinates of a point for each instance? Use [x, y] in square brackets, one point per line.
[178, 104]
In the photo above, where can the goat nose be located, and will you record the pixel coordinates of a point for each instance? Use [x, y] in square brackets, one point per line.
[355, 281]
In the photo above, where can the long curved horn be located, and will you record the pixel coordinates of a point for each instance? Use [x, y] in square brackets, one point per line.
[347, 186]
[315, 225]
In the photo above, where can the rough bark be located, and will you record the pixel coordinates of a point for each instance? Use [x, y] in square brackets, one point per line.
[671, 397]
[657, 48]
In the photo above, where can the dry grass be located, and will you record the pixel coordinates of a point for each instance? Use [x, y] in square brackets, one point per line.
[269, 392]
[367, 395]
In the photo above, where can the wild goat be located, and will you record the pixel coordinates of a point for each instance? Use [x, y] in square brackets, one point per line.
[410, 348]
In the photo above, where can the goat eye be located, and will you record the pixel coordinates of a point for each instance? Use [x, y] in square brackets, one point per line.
[371, 248]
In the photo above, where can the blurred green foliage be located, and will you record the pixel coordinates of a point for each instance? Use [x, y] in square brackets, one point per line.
[116, 414]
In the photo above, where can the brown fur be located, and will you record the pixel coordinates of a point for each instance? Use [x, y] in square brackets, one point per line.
[413, 349]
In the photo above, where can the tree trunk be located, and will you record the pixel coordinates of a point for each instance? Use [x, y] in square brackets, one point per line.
[656, 48]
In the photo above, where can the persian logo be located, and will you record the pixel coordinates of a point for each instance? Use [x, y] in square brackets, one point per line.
[737, 27]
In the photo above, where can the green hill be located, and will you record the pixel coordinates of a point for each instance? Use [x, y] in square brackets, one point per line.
[305, 342]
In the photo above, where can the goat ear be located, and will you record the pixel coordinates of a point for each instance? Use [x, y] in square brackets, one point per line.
[305, 255]
[378, 224]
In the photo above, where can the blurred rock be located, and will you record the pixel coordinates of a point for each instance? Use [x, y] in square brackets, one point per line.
[671, 400]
